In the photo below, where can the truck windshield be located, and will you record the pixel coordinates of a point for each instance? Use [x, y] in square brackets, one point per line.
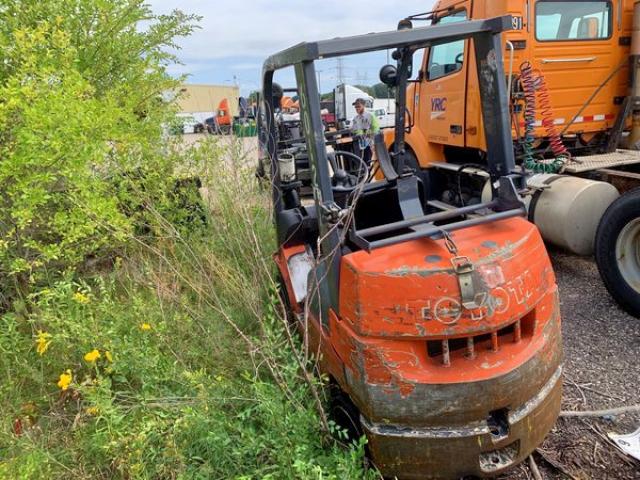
[572, 20]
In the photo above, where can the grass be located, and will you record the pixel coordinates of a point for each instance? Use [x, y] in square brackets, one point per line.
[197, 375]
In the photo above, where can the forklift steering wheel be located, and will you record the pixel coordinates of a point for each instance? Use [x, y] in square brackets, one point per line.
[363, 169]
[460, 58]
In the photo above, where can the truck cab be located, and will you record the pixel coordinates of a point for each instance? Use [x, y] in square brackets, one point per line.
[578, 46]
[572, 71]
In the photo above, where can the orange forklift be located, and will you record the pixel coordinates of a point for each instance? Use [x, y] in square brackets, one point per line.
[572, 76]
[440, 329]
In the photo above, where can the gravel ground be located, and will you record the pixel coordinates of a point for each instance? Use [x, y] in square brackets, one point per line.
[602, 370]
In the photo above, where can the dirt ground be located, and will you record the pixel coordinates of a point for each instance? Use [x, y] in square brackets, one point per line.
[602, 370]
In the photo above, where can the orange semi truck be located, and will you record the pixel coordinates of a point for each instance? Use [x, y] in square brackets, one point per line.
[570, 69]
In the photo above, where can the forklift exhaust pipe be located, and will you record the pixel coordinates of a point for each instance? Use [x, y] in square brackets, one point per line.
[287, 166]
[634, 137]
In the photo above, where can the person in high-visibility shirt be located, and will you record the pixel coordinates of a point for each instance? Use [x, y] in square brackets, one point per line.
[364, 126]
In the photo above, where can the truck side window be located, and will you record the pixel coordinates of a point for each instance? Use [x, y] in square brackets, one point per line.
[573, 20]
[447, 58]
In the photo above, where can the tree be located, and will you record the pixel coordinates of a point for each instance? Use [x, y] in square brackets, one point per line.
[380, 90]
[253, 96]
[81, 105]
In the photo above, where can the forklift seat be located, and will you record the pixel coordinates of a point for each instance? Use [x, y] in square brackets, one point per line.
[297, 225]
[390, 200]
[387, 202]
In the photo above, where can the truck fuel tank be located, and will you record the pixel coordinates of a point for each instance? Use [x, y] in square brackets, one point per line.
[567, 210]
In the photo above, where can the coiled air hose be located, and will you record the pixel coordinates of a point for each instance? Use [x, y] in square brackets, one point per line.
[535, 88]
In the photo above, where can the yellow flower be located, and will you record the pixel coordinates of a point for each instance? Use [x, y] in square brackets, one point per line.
[81, 298]
[92, 411]
[107, 355]
[65, 380]
[145, 326]
[92, 356]
[42, 342]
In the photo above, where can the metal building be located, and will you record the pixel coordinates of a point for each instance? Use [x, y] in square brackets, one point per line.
[201, 101]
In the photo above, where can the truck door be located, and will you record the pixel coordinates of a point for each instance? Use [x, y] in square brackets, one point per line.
[442, 103]
[577, 46]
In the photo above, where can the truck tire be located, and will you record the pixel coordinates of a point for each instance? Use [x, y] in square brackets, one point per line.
[617, 251]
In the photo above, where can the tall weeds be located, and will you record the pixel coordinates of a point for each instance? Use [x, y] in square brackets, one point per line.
[197, 373]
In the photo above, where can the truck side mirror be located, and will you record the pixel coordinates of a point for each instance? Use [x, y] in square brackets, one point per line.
[389, 75]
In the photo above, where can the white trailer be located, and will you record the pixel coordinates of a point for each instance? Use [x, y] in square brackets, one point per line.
[344, 95]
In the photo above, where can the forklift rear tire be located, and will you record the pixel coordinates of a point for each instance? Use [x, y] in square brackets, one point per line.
[617, 251]
[344, 412]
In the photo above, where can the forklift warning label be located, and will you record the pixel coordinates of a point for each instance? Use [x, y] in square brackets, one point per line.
[438, 107]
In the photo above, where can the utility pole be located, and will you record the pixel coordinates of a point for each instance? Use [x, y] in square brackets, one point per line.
[340, 67]
[319, 84]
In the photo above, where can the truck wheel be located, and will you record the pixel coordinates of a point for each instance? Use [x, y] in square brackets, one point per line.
[617, 251]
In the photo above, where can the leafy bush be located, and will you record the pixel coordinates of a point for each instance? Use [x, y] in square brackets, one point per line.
[81, 116]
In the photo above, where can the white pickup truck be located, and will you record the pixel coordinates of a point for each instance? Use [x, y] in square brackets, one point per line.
[385, 119]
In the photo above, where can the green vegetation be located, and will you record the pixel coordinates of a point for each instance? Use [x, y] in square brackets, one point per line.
[141, 332]
[80, 104]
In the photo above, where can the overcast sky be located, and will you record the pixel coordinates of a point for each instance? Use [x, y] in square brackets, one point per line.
[236, 36]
